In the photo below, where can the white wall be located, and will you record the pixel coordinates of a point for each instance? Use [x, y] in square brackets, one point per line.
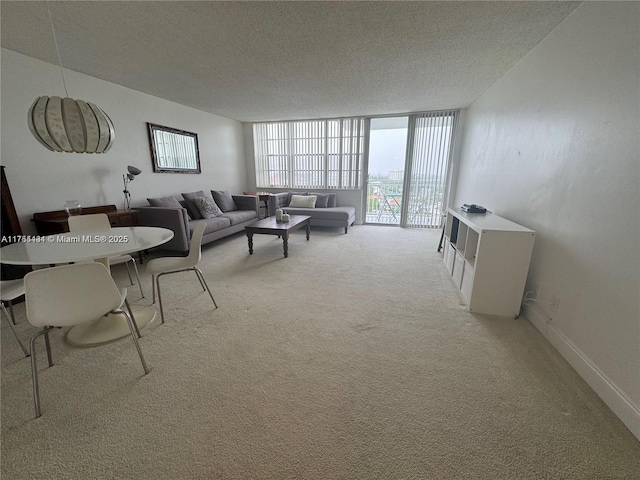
[554, 145]
[41, 180]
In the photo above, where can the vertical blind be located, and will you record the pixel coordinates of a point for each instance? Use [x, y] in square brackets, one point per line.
[310, 153]
[429, 150]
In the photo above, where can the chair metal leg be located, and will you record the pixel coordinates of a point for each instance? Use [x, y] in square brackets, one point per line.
[126, 302]
[204, 289]
[159, 298]
[126, 264]
[135, 340]
[202, 280]
[34, 368]
[48, 347]
[13, 315]
[135, 270]
[200, 276]
[13, 329]
[153, 289]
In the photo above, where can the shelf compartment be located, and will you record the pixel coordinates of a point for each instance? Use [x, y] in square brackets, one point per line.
[449, 254]
[458, 270]
[467, 282]
[471, 246]
[462, 238]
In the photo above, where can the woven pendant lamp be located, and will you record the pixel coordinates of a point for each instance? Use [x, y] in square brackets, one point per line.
[68, 125]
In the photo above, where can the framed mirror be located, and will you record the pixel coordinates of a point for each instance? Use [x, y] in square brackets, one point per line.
[173, 150]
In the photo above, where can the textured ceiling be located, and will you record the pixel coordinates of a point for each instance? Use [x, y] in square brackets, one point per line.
[256, 61]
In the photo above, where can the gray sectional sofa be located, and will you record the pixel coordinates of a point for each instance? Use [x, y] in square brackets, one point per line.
[229, 215]
[324, 213]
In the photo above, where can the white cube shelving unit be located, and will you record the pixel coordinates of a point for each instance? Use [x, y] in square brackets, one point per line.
[488, 258]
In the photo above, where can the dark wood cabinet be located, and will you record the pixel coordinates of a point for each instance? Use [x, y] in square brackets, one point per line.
[124, 218]
[10, 225]
[9, 230]
[50, 223]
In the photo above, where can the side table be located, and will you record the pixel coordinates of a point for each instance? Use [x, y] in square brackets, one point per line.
[263, 197]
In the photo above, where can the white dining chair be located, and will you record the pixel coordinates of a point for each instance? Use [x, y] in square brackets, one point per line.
[100, 222]
[72, 295]
[166, 265]
[9, 291]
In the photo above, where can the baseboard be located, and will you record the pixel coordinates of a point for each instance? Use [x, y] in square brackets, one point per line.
[604, 387]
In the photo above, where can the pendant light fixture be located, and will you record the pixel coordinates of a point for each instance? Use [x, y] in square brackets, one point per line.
[68, 125]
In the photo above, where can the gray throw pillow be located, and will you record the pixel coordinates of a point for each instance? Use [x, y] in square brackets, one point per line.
[322, 200]
[171, 202]
[224, 200]
[207, 207]
[193, 210]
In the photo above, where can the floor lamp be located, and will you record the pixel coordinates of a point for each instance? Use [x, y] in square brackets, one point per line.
[126, 179]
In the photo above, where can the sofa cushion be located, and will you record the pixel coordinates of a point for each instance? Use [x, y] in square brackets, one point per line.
[207, 206]
[183, 204]
[303, 201]
[193, 210]
[335, 213]
[171, 202]
[240, 216]
[213, 224]
[224, 200]
[322, 199]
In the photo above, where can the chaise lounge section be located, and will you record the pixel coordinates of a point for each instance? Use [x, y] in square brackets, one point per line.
[323, 212]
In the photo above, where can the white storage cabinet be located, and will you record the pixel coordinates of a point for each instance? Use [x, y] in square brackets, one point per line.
[488, 258]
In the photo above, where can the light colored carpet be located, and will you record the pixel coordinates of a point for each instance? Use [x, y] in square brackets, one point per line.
[351, 359]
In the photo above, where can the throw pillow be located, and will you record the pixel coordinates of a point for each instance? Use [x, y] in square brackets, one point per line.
[207, 207]
[303, 201]
[224, 200]
[193, 210]
[322, 200]
[164, 202]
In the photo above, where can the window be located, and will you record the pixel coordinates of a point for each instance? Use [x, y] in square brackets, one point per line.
[310, 153]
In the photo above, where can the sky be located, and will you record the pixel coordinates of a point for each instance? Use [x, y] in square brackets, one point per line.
[387, 150]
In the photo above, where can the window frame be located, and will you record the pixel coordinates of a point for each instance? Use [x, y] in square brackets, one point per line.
[325, 154]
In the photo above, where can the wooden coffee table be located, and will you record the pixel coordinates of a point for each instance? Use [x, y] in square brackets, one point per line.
[269, 226]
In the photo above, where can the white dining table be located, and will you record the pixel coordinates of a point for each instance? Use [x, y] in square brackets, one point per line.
[97, 246]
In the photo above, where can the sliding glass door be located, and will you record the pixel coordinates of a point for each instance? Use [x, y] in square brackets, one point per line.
[408, 160]
[385, 179]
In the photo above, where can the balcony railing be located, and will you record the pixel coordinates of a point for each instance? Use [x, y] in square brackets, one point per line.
[384, 204]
